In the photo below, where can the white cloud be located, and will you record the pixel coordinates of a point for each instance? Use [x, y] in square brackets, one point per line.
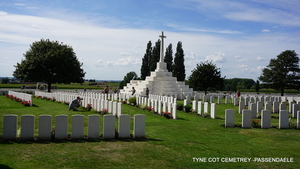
[216, 57]
[32, 7]
[243, 66]
[241, 11]
[125, 62]
[260, 58]
[179, 27]
[2, 13]
[19, 4]
[265, 30]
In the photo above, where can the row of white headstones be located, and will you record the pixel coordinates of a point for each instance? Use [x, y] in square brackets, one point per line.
[10, 122]
[23, 96]
[45, 130]
[255, 106]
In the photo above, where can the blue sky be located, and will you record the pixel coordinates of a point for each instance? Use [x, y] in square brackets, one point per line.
[110, 37]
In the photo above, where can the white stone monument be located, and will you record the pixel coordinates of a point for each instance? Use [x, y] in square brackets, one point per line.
[160, 82]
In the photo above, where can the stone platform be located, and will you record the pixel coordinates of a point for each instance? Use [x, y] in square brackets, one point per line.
[160, 82]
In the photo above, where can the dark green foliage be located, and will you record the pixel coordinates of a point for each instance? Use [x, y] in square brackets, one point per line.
[155, 56]
[188, 108]
[132, 100]
[257, 86]
[129, 76]
[169, 58]
[179, 106]
[282, 72]
[50, 62]
[178, 66]
[5, 80]
[205, 76]
[238, 83]
[145, 68]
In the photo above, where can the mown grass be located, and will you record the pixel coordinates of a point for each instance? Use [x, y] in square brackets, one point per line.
[169, 143]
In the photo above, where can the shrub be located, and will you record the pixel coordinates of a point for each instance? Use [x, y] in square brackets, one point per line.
[143, 106]
[179, 106]
[188, 108]
[132, 100]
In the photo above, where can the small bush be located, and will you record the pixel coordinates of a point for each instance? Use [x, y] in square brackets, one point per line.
[132, 100]
[179, 106]
[188, 108]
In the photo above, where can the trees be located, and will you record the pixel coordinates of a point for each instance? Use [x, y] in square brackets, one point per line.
[257, 86]
[206, 75]
[50, 62]
[145, 68]
[282, 72]
[169, 57]
[155, 56]
[5, 80]
[129, 76]
[238, 83]
[178, 66]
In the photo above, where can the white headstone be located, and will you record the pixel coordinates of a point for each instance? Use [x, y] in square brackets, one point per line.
[139, 126]
[199, 108]
[124, 126]
[294, 110]
[77, 126]
[27, 127]
[253, 108]
[10, 125]
[93, 126]
[241, 106]
[275, 107]
[265, 119]
[246, 118]
[213, 110]
[109, 126]
[45, 124]
[283, 119]
[229, 118]
[61, 127]
[205, 107]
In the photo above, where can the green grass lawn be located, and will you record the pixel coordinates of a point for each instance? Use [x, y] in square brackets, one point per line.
[169, 143]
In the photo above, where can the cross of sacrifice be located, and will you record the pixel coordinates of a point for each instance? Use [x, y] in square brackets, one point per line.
[162, 47]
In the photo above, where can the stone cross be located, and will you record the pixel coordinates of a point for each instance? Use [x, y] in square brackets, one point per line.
[162, 46]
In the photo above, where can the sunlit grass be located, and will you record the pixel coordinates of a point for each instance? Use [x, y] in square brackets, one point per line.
[169, 143]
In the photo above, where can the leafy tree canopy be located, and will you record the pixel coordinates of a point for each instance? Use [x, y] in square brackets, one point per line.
[145, 68]
[282, 72]
[129, 76]
[206, 75]
[50, 62]
[238, 83]
[178, 67]
[169, 58]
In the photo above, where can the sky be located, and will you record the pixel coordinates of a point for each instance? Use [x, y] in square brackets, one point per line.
[110, 37]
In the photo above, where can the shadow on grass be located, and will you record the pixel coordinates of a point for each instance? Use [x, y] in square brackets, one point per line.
[36, 141]
[180, 118]
[2, 166]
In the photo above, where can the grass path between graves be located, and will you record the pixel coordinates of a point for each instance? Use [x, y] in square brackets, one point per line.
[169, 143]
